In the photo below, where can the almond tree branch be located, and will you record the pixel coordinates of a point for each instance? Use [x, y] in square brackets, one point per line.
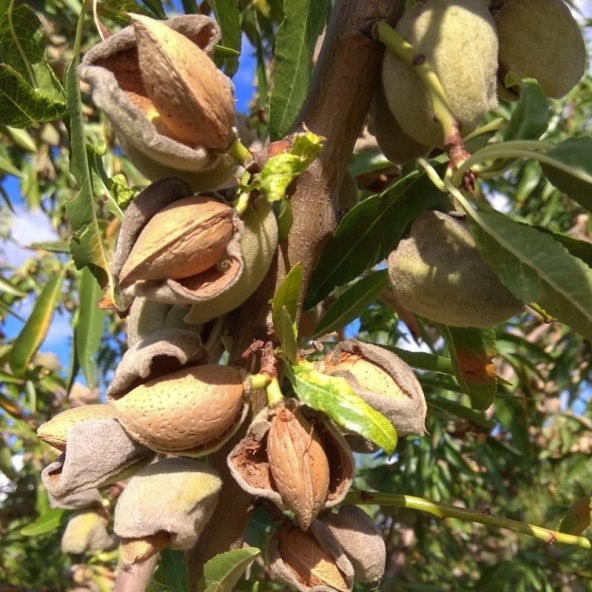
[136, 577]
[444, 511]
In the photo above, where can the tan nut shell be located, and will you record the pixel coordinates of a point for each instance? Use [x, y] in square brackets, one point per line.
[55, 431]
[184, 410]
[194, 99]
[257, 245]
[250, 465]
[540, 39]
[311, 561]
[298, 464]
[184, 239]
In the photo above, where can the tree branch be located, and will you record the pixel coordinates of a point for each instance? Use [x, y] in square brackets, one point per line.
[136, 577]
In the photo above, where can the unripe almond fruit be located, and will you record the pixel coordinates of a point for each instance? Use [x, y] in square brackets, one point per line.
[185, 238]
[438, 273]
[459, 41]
[298, 464]
[55, 431]
[540, 39]
[183, 410]
[193, 98]
[311, 564]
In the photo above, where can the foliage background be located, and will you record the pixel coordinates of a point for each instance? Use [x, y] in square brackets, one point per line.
[526, 457]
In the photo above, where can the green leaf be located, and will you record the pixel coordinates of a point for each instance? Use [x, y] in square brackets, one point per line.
[531, 116]
[280, 170]
[353, 302]
[370, 231]
[461, 411]
[88, 329]
[86, 244]
[46, 523]
[569, 168]
[423, 360]
[578, 248]
[578, 518]
[472, 352]
[172, 571]
[535, 268]
[22, 41]
[7, 288]
[284, 307]
[294, 45]
[36, 327]
[227, 15]
[21, 105]
[334, 396]
[222, 572]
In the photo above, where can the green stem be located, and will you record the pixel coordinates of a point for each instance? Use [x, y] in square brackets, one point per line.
[258, 381]
[239, 152]
[242, 203]
[274, 392]
[432, 174]
[19, 47]
[493, 126]
[444, 511]
[404, 50]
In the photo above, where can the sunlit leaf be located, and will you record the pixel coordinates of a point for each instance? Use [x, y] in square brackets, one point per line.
[222, 572]
[334, 396]
[36, 327]
[46, 523]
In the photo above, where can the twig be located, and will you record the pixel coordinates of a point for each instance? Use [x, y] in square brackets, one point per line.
[444, 511]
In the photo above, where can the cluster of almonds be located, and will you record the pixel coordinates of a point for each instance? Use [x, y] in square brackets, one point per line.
[183, 260]
[472, 45]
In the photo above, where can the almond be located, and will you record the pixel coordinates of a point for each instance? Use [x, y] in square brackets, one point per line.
[184, 239]
[140, 549]
[183, 410]
[193, 98]
[55, 431]
[298, 464]
[311, 564]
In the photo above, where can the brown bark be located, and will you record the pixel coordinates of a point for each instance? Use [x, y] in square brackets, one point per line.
[136, 577]
[339, 98]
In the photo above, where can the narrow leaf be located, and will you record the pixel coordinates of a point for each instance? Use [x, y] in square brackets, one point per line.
[461, 411]
[172, 571]
[569, 168]
[531, 116]
[36, 327]
[578, 518]
[86, 244]
[334, 396]
[353, 302]
[578, 248]
[21, 105]
[46, 523]
[303, 22]
[289, 291]
[227, 15]
[472, 352]
[7, 288]
[222, 572]
[284, 307]
[536, 268]
[369, 232]
[89, 326]
[423, 360]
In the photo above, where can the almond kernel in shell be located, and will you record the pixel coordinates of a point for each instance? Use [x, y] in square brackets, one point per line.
[184, 239]
[184, 409]
[310, 563]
